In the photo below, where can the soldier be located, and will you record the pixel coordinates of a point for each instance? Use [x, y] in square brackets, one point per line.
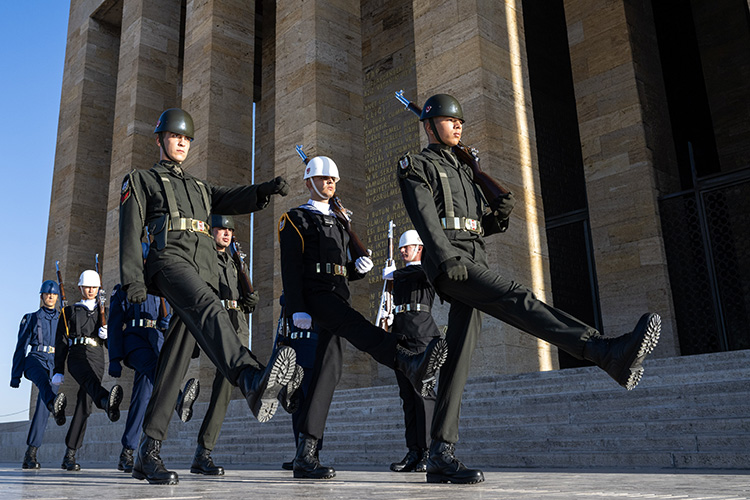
[448, 211]
[37, 332]
[412, 298]
[135, 339]
[80, 342]
[315, 270]
[182, 266]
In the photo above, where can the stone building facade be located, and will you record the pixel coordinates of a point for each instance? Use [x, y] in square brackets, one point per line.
[569, 103]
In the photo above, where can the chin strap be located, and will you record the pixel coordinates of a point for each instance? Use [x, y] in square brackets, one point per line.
[161, 141]
[435, 131]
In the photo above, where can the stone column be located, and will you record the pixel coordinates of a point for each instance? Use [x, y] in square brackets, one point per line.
[620, 101]
[475, 51]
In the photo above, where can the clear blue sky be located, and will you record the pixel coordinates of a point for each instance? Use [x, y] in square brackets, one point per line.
[32, 54]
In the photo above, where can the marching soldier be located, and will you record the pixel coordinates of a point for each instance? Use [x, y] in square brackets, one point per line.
[315, 270]
[413, 296]
[182, 266]
[448, 211]
[136, 334]
[37, 333]
[80, 342]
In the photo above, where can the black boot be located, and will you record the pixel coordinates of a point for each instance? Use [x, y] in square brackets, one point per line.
[261, 387]
[420, 369]
[422, 464]
[57, 408]
[622, 357]
[149, 465]
[126, 460]
[409, 462]
[444, 467]
[111, 403]
[306, 463]
[291, 395]
[288, 465]
[29, 459]
[184, 407]
[204, 464]
[69, 462]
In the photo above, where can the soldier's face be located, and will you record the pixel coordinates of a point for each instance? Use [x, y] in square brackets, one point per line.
[449, 129]
[49, 300]
[411, 253]
[321, 188]
[176, 146]
[89, 292]
[222, 237]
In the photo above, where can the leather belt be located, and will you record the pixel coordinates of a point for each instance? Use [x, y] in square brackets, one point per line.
[411, 307]
[301, 335]
[230, 304]
[462, 224]
[328, 268]
[83, 341]
[193, 225]
[44, 348]
[143, 323]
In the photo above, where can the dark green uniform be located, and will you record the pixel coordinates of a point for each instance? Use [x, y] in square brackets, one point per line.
[484, 290]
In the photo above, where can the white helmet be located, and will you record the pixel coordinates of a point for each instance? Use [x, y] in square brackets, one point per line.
[321, 166]
[410, 237]
[89, 278]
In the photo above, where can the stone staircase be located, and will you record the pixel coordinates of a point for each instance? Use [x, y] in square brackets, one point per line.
[688, 412]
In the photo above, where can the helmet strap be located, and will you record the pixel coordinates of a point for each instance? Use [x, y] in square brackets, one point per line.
[435, 131]
[316, 189]
[164, 148]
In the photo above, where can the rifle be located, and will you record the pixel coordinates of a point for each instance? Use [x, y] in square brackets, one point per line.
[63, 301]
[490, 187]
[246, 287]
[386, 297]
[162, 308]
[358, 249]
[101, 297]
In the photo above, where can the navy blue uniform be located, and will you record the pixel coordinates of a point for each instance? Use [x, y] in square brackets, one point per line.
[37, 332]
[135, 339]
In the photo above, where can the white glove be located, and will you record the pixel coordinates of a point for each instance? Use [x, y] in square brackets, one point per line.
[302, 321]
[58, 378]
[103, 332]
[388, 272]
[363, 264]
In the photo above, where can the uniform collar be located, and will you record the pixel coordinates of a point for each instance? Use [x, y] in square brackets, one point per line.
[320, 206]
[171, 167]
[88, 304]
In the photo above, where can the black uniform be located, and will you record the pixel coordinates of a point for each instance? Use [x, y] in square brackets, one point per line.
[413, 297]
[315, 270]
[484, 290]
[83, 350]
[181, 263]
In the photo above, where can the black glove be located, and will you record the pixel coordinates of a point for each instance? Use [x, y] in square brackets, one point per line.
[15, 383]
[137, 293]
[275, 186]
[115, 369]
[249, 302]
[503, 205]
[455, 270]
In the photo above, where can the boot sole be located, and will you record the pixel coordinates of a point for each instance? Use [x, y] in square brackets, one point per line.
[189, 395]
[651, 324]
[282, 369]
[113, 403]
[302, 475]
[439, 478]
[295, 382]
[141, 476]
[59, 404]
[437, 357]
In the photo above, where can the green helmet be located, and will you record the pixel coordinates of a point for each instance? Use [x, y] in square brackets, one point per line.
[222, 221]
[441, 105]
[177, 121]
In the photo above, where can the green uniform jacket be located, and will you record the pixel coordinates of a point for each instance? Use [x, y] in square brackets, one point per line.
[424, 200]
[143, 203]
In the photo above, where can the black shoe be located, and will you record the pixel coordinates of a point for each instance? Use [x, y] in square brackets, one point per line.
[444, 467]
[57, 408]
[422, 464]
[420, 369]
[69, 462]
[622, 357]
[291, 395]
[288, 465]
[306, 463]
[29, 459]
[112, 402]
[261, 387]
[149, 465]
[408, 463]
[126, 460]
[204, 464]
[189, 394]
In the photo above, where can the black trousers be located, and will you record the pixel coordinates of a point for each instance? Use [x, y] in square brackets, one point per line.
[507, 301]
[418, 410]
[86, 366]
[337, 321]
